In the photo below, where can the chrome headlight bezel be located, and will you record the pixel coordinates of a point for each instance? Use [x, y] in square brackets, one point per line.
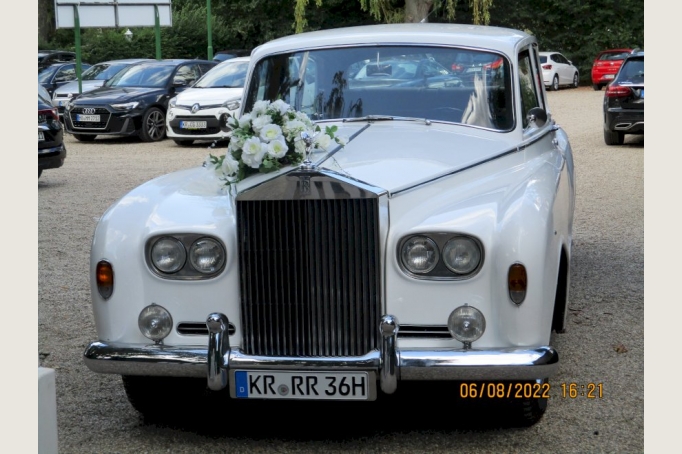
[188, 270]
[125, 106]
[441, 270]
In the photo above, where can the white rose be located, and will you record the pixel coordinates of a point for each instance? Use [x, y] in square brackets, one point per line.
[280, 106]
[230, 166]
[259, 107]
[277, 148]
[259, 122]
[323, 141]
[270, 132]
[299, 146]
[233, 122]
[253, 152]
[245, 121]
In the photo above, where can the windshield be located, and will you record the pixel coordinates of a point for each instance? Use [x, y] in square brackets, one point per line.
[142, 76]
[399, 81]
[103, 71]
[225, 75]
[46, 74]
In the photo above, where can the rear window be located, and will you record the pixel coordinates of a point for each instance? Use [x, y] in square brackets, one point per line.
[632, 72]
[613, 55]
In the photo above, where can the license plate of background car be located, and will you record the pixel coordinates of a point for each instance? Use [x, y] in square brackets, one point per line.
[41, 136]
[303, 385]
[192, 124]
[91, 118]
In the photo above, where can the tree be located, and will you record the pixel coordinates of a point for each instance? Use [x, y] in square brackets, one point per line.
[392, 11]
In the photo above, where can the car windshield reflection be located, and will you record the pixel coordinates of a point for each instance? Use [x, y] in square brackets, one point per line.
[436, 83]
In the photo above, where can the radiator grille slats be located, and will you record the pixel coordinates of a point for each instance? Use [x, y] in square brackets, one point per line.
[309, 276]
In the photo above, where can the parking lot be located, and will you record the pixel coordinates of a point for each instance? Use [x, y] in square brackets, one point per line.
[604, 342]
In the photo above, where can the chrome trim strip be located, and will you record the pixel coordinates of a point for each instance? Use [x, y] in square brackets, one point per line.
[389, 356]
[218, 343]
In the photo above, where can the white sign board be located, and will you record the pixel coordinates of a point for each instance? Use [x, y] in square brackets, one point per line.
[117, 13]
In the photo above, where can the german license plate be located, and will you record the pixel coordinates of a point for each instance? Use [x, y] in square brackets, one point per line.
[41, 136]
[193, 125]
[303, 385]
[88, 118]
[609, 76]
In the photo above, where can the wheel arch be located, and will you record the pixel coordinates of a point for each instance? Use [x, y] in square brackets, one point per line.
[561, 296]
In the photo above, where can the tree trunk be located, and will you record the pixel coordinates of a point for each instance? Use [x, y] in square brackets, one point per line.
[46, 20]
[417, 10]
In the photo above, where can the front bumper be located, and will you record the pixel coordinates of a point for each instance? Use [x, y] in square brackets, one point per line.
[113, 123]
[390, 364]
[177, 116]
[51, 158]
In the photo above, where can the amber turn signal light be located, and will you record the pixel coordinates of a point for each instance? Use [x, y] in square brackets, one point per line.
[517, 281]
[105, 279]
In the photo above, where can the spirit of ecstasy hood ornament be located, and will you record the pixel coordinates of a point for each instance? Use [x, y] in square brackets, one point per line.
[308, 139]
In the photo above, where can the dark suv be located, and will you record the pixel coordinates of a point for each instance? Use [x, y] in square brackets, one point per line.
[624, 101]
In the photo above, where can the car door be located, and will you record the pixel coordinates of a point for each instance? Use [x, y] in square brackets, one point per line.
[184, 77]
[565, 73]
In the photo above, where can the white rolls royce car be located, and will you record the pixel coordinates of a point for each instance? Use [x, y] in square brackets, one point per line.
[357, 233]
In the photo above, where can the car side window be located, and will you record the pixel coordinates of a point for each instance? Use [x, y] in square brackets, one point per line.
[529, 88]
[187, 74]
[205, 67]
[66, 73]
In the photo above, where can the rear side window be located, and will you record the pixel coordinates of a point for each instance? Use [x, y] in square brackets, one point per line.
[632, 71]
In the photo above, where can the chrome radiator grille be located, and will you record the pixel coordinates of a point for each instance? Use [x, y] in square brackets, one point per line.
[309, 276]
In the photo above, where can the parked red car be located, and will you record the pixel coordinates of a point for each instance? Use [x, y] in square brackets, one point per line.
[606, 66]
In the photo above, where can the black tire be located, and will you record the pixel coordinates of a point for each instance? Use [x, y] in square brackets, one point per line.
[576, 80]
[40, 172]
[153, 125]
[613, 137]
[183, 142]
[157, 397]
[555, 83]
[596, 87]
[84, 137]
[527, 412]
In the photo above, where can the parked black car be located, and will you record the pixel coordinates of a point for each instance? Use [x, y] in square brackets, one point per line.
[50, 57]
[51, 149]
[58, 74]
[134, 101]
[624, 101]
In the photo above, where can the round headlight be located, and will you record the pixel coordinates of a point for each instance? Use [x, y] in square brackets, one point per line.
[419, 254]
[168, 255]
[155, 322]
[466, 324]
[462, 255]
[207, 256]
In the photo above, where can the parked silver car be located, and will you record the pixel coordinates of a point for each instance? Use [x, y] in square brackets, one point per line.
[94, 77]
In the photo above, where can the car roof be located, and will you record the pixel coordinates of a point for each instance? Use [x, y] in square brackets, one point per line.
[127, 60]
[175, 61]
[500, 39]
[233, 60]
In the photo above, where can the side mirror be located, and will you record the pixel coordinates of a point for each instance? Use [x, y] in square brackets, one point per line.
[537, 116]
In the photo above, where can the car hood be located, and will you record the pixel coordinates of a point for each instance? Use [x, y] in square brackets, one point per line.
[117, 94]
[392, 155]
[208, 96]
[86, 85]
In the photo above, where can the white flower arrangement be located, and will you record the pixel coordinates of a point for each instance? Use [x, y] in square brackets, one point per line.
[267, 139]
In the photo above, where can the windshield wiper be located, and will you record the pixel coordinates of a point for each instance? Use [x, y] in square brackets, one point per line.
[371, 118]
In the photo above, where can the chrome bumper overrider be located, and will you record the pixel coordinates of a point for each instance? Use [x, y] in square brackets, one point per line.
[390, 364]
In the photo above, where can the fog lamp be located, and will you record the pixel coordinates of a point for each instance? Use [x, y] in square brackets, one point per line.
[466, 324]
[155, 322]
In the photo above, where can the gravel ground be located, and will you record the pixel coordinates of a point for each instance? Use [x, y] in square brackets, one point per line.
[604, 342]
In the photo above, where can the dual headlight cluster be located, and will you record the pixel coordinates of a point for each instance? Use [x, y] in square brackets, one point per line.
[440, 255]
[188, 256]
